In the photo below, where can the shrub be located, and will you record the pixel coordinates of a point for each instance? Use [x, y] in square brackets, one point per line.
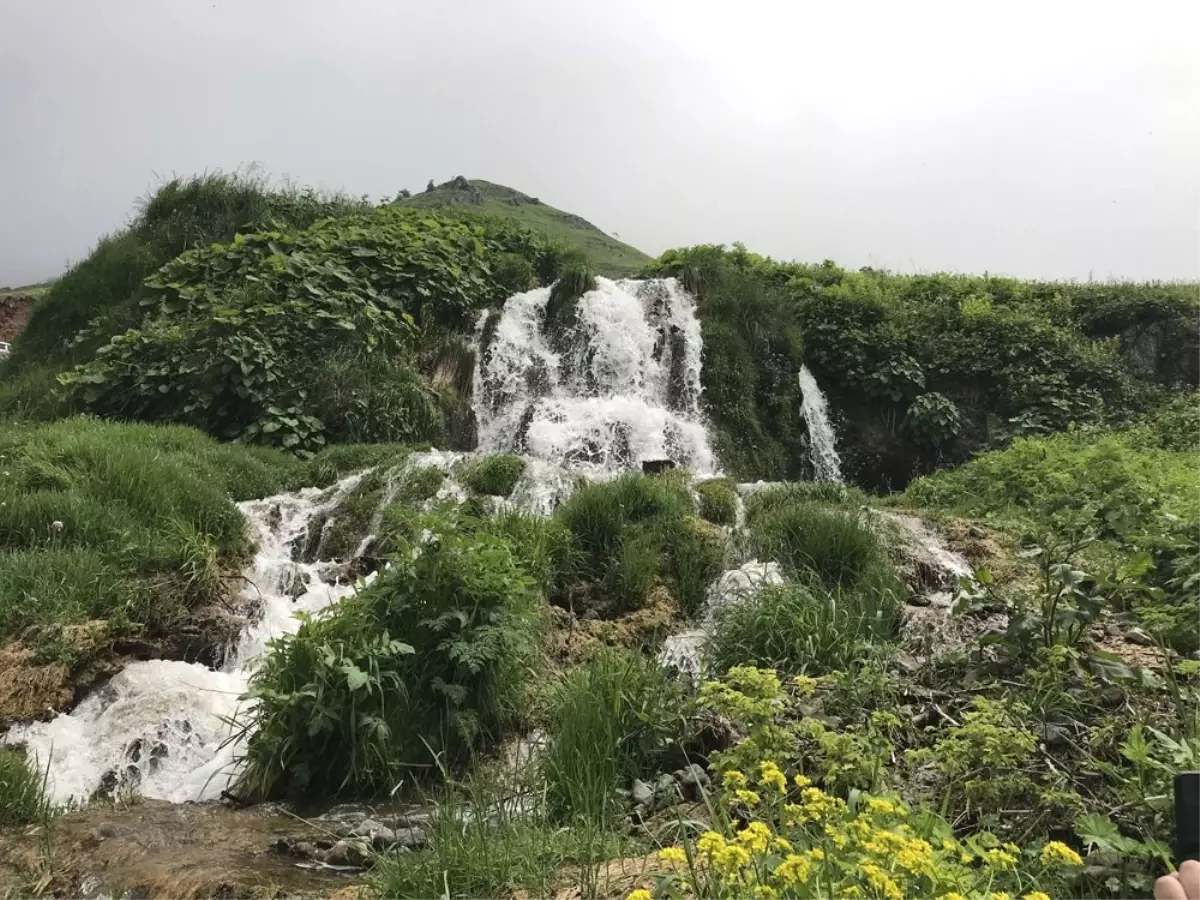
[718, 500]
[363, 397]
[613, 719]
[496, 475]
[798, 628]
[418, 670]
[23, 795]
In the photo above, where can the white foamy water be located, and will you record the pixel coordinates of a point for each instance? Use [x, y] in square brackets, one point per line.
[827, 465]
[621, 386]
[159, 726]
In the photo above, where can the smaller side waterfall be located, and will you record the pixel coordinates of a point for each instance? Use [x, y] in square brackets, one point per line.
[827, 465]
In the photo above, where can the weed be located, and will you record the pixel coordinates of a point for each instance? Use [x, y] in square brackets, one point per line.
[23, 796]
[496, 475]
[718, 500]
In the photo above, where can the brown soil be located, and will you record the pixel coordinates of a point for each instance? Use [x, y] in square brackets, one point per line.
[14, 314]
[158, 849]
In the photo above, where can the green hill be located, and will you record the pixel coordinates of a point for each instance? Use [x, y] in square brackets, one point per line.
[607, 254]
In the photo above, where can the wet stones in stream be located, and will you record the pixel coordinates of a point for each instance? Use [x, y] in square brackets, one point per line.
[358, 847]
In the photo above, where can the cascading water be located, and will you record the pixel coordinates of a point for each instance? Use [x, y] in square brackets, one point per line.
[827, 465]
[160, 727]
[617, 385]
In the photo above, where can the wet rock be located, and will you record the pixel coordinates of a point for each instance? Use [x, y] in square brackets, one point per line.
[1055, 736]
[907, 663]
[411, 838]
[919, 600]
[692, 774]
[666, 791]
[642, 793]
[657, 466]
[348, 853]
[380, 836]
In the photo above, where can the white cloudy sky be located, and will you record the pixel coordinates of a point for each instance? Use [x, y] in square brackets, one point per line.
[1048, 139]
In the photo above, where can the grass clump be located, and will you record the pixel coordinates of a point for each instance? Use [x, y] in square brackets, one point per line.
[23, 795]
[496, 475]
[718, 500]
[635, 530]
[802, 628]
[613, 719]
[415, 672]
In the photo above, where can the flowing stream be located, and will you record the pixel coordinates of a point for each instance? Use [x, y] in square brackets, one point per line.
[827, 465]
[611, 383]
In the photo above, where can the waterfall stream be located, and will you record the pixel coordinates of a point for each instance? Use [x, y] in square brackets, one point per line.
[827, 465]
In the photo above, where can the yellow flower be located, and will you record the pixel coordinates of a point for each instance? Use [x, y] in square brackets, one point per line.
[851, 892]
[947, 844]
[817, 853]
[883, 843]
[916, 856]
[710, 842]
[805, 685]
[999, 859]
[766, 892]
[771, 776]
[881, 881]
[756, 837]
[795, 869]
[835, 834]
[801, 781]
[953, 895]
[1035, 895]
[965, 858]
[672, 855]
[639, 894]
[782, 844]
[746, 798]
[734, 779]
[731, 858]
[886, 807]
[1058, 853]
[1000, 895]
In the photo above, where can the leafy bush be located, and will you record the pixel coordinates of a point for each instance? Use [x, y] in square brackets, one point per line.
[102, 292]
[419, 669]
[797, 628]
[613, 719]
[23, 795]
[718, 500]
[364, 397]
[496, 475]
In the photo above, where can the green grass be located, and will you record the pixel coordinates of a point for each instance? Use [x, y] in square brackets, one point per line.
[607, 255]
[718, 500]
[833, 544]
[93, 513]
[23, 799]
[613, 719]
[495, 475]
[798, 628]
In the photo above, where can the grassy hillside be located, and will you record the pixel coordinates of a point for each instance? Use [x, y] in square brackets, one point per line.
[606, 254]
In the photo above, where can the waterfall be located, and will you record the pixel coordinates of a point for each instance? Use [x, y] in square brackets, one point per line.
[614, 384]
[162, 727]
[827, 466]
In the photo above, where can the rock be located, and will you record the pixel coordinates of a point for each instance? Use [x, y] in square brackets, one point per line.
[1113, 630]
[1137, 636]
[380, 836]
[657, 466]
[976, 532]
[411, 838]
[692, 774]
[919, 600]
[666, 791]
[907, 663]
[348, 853]
[642, 793]
[1055, 735]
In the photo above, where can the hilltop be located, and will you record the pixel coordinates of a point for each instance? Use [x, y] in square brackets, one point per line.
[608, 255]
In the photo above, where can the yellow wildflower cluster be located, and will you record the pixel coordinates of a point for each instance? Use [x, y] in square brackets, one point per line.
[792, 838]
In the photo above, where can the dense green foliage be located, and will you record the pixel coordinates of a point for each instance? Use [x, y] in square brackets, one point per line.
[128, 523]
[103, 291]
[411, 673]
[718, 500]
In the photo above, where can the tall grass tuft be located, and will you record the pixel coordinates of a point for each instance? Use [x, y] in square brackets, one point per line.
[496, 475]
[718, 500]
[834, 545]
[612, 719]
[803, 628]
[24, 798]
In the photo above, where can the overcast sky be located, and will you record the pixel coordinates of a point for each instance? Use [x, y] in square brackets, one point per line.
[1048, 139]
